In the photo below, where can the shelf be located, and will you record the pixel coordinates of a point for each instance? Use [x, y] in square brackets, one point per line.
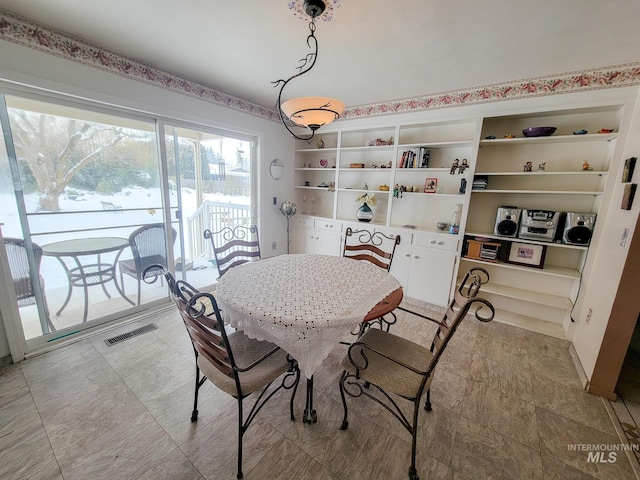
[461, 196]
[547, 270]
[539, 192]
[366, 148]
[538, 173]
[530, 296]
[428, 169]
[326, 189]
[529, 323]
[360, 190]
[595, 137]
[522, 240]
[462, 143]
[307, 150]
[366, 169]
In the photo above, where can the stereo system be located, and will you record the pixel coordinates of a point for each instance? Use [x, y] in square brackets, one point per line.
[572, 228]
[507, 221]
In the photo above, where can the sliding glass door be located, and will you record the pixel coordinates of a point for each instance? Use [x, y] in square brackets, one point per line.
[91, 196]
[212, 172]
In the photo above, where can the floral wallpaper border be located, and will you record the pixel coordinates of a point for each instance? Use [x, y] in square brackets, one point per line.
[23, 32]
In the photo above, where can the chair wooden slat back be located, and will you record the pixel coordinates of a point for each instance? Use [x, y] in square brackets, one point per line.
[458, 309]
[207, 337]
[233, 246]
[375, 247]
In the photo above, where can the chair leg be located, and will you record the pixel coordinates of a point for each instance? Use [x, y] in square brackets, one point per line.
[427, 402]
[194, 413]
[240, 433]
[345, 422]
[139, 289]
[413, 473]
[293, 396]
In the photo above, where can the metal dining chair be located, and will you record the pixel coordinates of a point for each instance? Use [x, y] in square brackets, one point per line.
[235, 363]
[149, 247]
[233, 246]
[21, 274]
[377, 248]
[395, 366]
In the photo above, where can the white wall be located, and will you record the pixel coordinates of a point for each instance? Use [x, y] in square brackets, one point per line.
[24, 66]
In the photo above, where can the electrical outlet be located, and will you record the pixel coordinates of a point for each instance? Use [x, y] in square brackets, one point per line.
[588, 318]
[274, 245]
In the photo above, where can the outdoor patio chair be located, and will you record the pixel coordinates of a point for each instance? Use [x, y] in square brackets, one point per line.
[233, 362]
[21, 275]
[148, 246]
[377, 248]
[110, 206]
[394, 366]
[233, 246]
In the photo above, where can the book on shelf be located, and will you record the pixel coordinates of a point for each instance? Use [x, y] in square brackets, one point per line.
[417, 158]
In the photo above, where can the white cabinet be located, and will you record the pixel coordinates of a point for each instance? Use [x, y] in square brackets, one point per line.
[317, 236]
[426, 268]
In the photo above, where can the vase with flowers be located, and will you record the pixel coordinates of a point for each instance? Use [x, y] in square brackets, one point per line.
[366, 200]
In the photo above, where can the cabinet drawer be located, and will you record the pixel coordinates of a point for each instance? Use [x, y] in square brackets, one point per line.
[405, 236]
[328, 225]
[442, 241]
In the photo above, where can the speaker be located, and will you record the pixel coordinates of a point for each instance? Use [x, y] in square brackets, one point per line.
[507, 221]
[578, 228]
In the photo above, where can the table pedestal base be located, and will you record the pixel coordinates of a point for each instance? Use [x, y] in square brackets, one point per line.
[310, 415]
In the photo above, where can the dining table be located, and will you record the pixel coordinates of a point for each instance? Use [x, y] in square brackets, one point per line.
[305, 304]
[85, 273]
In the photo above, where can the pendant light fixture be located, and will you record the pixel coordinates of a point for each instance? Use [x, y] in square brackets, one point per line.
[308, 112]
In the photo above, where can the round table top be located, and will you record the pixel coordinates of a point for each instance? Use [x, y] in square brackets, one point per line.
[305, 303]
[85, 246]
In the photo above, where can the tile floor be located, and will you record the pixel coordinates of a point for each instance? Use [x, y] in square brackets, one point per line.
[507, 404]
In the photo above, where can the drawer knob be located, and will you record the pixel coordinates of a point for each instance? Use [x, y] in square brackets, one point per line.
[440, 242]
[407, 255]
[416, 257]
[432, 242]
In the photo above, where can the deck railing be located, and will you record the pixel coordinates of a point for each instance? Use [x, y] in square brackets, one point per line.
[214, 216]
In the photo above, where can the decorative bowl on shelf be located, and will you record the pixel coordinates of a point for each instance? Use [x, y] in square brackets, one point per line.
[605, 130]
[539, 131]
[580, 132]
[442, 225]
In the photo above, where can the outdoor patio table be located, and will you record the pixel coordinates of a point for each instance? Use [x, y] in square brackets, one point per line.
[305, 304]
[87, 275]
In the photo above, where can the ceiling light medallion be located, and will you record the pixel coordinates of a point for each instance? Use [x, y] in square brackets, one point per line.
[308, 112]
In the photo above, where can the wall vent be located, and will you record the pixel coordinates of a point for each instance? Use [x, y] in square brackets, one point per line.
[134, 333]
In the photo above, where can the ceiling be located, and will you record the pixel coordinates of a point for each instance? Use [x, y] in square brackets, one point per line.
[369, 52]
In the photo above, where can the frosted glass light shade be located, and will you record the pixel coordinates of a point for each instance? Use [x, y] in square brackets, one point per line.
[312, 112]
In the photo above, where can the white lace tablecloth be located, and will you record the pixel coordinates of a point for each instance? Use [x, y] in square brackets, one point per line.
[303, 303]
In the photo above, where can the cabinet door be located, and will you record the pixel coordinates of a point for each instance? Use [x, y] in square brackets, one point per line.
[326, 243]
[430, 275]
[401, 264]
[302, 240]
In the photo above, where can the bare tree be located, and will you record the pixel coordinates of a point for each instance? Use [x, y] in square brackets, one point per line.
[56, 148]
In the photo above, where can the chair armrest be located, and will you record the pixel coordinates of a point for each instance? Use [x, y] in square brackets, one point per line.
[392, 359]
[258, 361]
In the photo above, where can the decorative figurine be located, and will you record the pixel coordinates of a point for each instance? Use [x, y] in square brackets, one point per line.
[320, 143]
[397, 192]
[586, 166]
[332, 186]
[365, 187]
[541, 166]
[454, 167]
[463, 166]
[528, 167]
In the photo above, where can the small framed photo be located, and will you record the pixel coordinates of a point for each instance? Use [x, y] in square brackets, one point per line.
[527, 254]
[627, 196]
[430, 185]
[627, 172]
